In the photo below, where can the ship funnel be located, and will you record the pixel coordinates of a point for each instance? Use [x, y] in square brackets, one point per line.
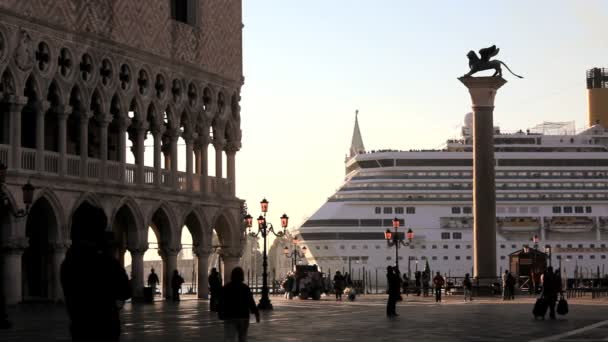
[597, 97]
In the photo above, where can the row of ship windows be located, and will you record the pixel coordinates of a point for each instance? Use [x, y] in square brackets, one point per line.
[502, 257]
[459, 236]
[570, 210]
[517, 174]
[396, 210]
[466, 186]
[533, 196]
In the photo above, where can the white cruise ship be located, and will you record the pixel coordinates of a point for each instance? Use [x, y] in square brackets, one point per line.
[550, 182]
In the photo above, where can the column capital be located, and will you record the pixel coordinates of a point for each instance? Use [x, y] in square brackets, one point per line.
[202, 251]
[172, 133]
[85, 116]
[138, 250]
[169, 251]
[104, 119]
[41, 107]
[62, 112]
[15, 100]
[232, 147]
[14, 245]
[189, 137]
[232, 253]
[157, 130]
[59, 245]
[219, 143]
[483, 89]
[123, 122]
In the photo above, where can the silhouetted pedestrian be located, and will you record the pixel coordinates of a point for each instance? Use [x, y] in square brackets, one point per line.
[235, 305]
[467, 286]
[418, 277]
[438, 283]
[551, 287]
[176, 285]
[426, 278]
[94, 284]
[215, 287]
[406, 284]
[339, 285]
[153, 281]
[394, 281]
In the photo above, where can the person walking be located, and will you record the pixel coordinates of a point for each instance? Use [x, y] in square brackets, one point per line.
[505, 288]
[418, 283]
[215, 287]
[235, 305]
[511, 286]
[176, 285]
[339, 285]
[393, 281]
[438, 283]
[551, 288]
[153, 281]
[406, 284]
[426, 278]
[467, 286]
[94, 283]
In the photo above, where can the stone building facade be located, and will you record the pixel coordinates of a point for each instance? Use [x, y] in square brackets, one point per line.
[79, 80]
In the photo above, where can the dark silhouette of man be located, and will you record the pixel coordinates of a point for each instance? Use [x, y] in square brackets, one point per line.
[153, 281]
[394, 287]
[235, 306]
[215, 288]
[94, 284]
[176, 284]
[551, 288]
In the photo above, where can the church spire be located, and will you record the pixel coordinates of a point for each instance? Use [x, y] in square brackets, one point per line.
[356, 145]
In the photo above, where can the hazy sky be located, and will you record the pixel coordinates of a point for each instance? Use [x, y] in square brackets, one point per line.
[309, 64]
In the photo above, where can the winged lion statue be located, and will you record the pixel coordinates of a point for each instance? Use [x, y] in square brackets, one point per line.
[483, 62]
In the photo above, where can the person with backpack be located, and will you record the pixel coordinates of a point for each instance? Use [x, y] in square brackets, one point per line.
[176, 285]
[467, 286]
[551, 288]
[438, 283]
[511, 286]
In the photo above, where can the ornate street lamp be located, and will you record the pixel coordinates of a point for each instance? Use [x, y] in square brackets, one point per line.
[397, 240]
[264, 229]
[295, 254]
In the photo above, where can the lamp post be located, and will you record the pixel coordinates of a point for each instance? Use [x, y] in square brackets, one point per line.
[395, 239]
[264, 229]
[548, 251]
[28, 197]
[295, 253]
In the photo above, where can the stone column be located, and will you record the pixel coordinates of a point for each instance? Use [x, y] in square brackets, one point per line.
[84, 143]
[543, 228]
[41, 108]
[219, 150]
[15, 105]
[231, 150]
[58, 250]
[174, 137]
[203, 272]
[11, 252]
[482, 91]
[157, 134]
[232, 259]
[139, 150]
[204, 142]
[123, 125]
[137, 272]
[104, 122]
[169, 256]
[62, 115]
[598, 233]
[189, 138]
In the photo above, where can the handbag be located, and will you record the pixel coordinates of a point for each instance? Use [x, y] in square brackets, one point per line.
[562, 306]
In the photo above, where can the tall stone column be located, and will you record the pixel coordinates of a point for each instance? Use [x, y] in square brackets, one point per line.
[219, 150]
[15, 105]
[12, 251]
[174, 136]
[84, 143]
[204, 141]
[123, 125]
[58, 250]
[157, 134]
[231, 150]
[62, 116]
[104, 122]
[189, 138]
[169, 256]
[137, 272]
[231, 260]
[483, 91]
[139, 151]
[203, 271]
[41, 108]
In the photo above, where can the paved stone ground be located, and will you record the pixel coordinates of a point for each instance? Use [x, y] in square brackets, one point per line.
[327, 320]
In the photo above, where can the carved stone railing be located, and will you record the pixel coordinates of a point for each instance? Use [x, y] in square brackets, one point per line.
[130, 172]
[28, 159]
[73, 163]
[4, 150]
[51, 162]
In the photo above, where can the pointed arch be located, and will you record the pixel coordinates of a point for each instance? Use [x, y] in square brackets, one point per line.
[225, 227]
[31, 89]
[89, 197]
[162, 219]
[98, 103]
[55, 94]
[195, 224]
[8, 83]
[135, 209]
[136, 107]
[55, 204]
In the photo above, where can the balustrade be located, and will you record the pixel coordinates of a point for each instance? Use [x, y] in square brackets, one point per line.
[51, 162]
[28, 159]
[113, 171]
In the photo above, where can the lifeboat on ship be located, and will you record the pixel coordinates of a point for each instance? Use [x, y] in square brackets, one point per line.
[570, 224]
[518, 224]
